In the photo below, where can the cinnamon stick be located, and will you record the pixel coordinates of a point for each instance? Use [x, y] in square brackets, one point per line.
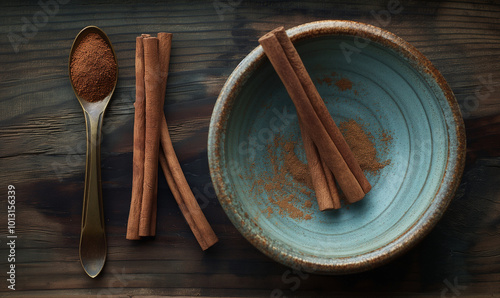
[320, 184]
[154, 205]
[154, 106]
[332, 186]
[154, 59]
[138, 152]
[164, 48]
[154, 211]
[320, 108]
[314, 163]
[183, 195]
[312, 124]
[170, 164]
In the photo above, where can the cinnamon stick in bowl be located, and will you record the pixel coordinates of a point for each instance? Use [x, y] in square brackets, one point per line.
[310, 120]
[327, 199]
[320, 107]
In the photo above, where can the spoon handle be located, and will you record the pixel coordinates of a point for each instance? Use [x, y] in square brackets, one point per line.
[93, 237]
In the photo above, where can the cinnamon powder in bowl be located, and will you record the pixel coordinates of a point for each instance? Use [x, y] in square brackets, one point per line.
[397, 114]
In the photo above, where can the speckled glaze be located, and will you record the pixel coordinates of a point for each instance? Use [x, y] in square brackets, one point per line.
[395, 89]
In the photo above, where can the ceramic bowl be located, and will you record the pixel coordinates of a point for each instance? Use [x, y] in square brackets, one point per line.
[394, 89]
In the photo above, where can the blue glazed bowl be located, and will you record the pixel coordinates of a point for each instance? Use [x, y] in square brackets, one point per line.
[395, 89]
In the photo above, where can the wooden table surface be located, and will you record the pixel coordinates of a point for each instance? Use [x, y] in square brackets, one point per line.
[42, 149]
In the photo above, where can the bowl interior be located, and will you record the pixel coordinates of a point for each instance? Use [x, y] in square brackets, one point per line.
[381, 89]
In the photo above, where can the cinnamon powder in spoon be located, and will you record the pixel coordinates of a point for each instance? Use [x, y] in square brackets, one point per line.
[93, 68]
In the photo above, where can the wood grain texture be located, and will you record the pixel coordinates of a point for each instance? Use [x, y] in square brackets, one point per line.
[42, 150]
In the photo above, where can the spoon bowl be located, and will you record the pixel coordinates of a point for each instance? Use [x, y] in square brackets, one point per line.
[97, 106]
[93, 237]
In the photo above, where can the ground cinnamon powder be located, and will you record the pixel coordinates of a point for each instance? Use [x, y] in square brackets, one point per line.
[362, 146]
[344, 84]
[93, 68]
[284, 163]
[288, 176]
[293, 165]
[286, 173]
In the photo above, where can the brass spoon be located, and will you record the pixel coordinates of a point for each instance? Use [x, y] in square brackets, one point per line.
[93, 237]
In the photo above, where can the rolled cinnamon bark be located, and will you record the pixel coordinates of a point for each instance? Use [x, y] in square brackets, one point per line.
[171, 167]
[164, 48]
[318, 178]
[152, 64]
[312, 124]
[138, 152]
[182, 192]
[154, 107]
[154, 204]
[332, 186]
[320, 108]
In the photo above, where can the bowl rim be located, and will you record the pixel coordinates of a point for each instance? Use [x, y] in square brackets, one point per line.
[406, 240]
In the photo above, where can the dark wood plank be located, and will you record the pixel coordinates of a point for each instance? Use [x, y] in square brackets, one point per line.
[483, 137]
[42, 150]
